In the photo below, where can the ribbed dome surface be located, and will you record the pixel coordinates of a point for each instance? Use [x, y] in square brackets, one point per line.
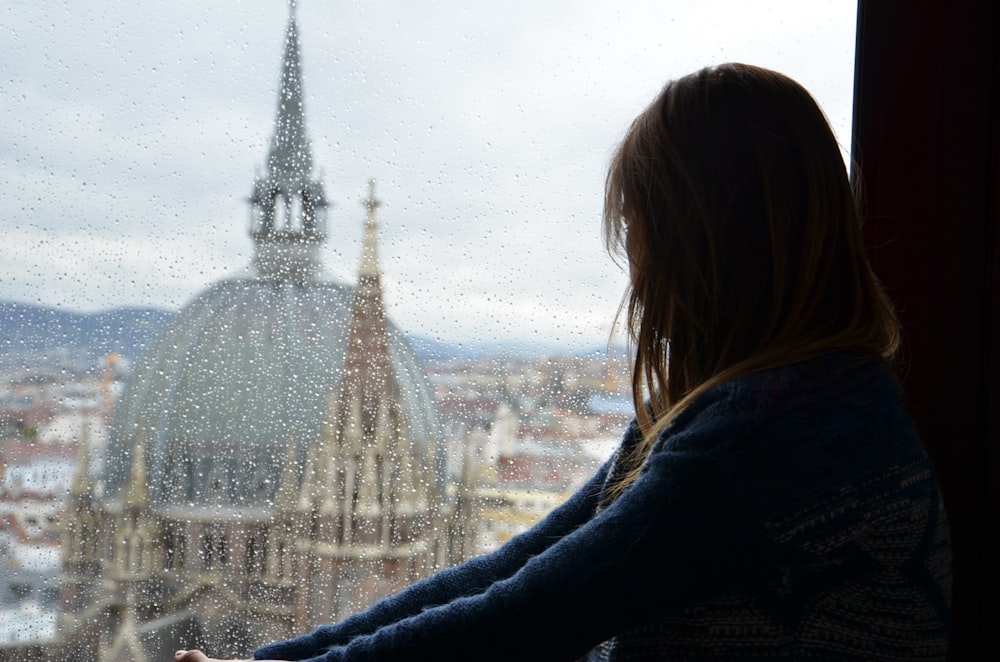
[247, 366]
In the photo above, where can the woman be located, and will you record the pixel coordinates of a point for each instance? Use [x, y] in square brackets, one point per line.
[771, 499]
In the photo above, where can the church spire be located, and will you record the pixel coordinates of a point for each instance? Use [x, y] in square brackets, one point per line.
[290, 157]
[367, 340]
[288, 207]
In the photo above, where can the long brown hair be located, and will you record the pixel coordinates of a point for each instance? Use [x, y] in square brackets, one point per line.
[730, 200]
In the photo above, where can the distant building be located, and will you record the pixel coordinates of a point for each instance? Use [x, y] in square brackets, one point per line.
[275, 460]
[34, 476]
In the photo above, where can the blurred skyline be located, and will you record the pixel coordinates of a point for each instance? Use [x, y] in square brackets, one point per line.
[132, 134]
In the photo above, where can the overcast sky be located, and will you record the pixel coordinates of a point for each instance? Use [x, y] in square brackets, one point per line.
[131, 133]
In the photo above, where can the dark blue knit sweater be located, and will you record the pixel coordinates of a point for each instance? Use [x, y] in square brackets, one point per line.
[789, 514]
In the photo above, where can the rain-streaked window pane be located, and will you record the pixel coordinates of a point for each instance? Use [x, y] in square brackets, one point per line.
[300, 306]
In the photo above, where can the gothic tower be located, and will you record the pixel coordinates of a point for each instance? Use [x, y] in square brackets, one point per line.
[288, 207]
[366, 493]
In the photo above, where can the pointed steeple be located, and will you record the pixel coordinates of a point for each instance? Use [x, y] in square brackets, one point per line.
[81, 525]
[290, 158]
[83, 485]
[135, 535]
[287, 206]
[137, 490]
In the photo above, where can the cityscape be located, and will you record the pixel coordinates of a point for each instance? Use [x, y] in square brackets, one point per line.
[525, 432]
[275, 455]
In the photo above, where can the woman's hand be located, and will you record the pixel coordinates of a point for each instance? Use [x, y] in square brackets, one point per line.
[198, 656]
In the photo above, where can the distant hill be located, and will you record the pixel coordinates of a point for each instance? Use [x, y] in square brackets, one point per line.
[32, 335]
[429, 350]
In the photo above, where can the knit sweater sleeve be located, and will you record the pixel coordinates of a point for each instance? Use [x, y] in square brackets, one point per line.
[470, 578]
[677, 534]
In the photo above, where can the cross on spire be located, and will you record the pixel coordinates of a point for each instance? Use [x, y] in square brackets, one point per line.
[369, 272]
[371, 203]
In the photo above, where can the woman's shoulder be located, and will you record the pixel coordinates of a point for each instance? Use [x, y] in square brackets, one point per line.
[833, 383]
[830, 433]
[830, 404]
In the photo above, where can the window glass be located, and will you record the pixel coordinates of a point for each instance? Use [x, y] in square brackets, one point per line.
[164, 358]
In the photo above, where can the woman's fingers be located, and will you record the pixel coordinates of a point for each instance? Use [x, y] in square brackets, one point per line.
[198, 656]
[191, 656]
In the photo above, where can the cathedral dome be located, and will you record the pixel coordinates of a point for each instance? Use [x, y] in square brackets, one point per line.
[248, 367]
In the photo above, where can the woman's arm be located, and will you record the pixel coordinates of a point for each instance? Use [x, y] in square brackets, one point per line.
[472, 577]
[676, 536]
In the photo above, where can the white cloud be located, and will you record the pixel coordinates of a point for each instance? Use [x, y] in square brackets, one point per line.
[131, 134]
